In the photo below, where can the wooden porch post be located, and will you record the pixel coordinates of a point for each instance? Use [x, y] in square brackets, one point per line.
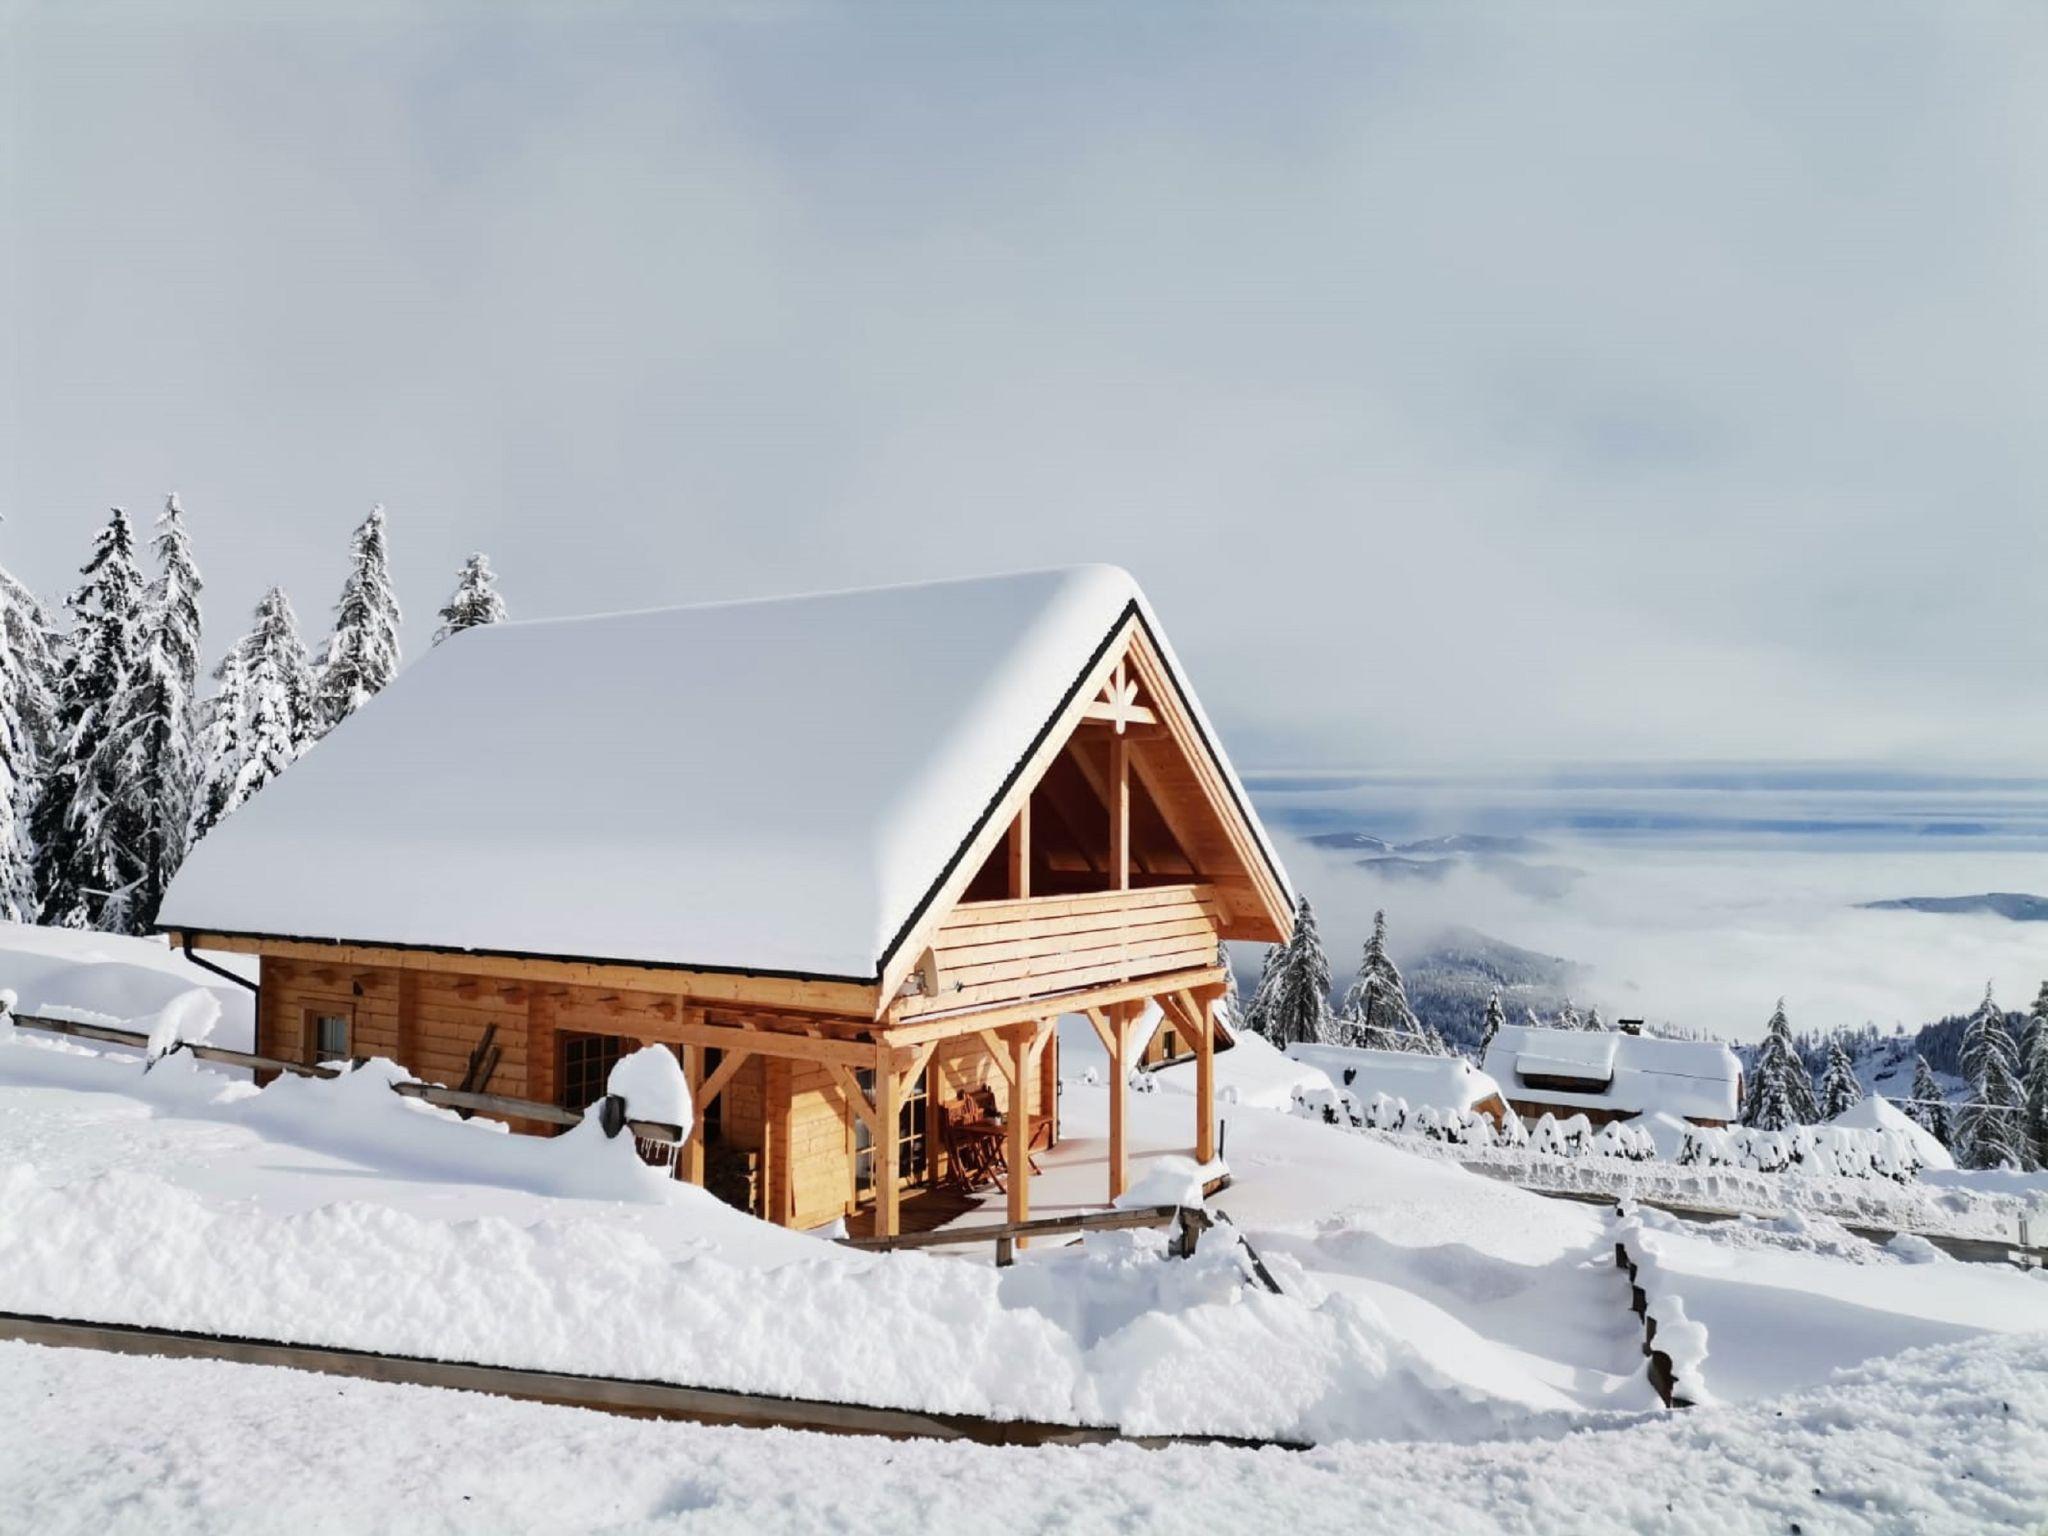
[1020, 1121]
[1119, 1089]
[693, 1148]
[1205, 1077]
[888, 1221]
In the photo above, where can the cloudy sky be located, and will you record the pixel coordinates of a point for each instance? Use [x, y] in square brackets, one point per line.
[1463, 382]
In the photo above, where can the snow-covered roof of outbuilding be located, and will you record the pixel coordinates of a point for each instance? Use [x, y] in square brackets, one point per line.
[774, 786]
[1443, 1082]
[1630, 1074]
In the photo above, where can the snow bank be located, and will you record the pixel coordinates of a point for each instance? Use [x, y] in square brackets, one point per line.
[1874, 1112]
[1676, 1335]
[106, 978]
[651, 1082]
[1172, 1180]
[186, 1019]
[1446, 1082]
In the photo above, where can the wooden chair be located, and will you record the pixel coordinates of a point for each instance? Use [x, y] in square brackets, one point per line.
[1039, 1138]
[974, 1147]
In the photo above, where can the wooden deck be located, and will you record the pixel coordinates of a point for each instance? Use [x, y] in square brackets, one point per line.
[922, 1210]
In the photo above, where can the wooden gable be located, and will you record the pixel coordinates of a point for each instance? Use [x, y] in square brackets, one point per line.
[1125, 765]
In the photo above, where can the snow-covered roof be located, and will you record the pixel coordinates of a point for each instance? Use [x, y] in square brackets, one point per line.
[1445, 1082]
[775, 786]
[1629, 1074]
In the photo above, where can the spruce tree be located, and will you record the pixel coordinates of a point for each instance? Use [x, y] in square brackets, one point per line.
[1988, 1128]
[1375, 1009]
[2034, 1089]
[1780, 1094]
[151, 754]
[265, 714]
[362, 654]
[1300, 1009]
[1839, 1089]
[1929, 1105]
[90, 867]
[27, 663]
[1490, 1026]
[475, 600]
[1567, 1017]
[1593, 1019]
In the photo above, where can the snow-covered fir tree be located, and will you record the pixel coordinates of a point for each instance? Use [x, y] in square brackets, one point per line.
[87, 836]
[1299, 1013]
[27, 704]
[2034, 1087]
[1567, 1017]
[475, 600]
[1839, 1089]
[1928, 1108]
[1779, 1093]
[151, 755]
[362, 653]
[265, 713]
[1593, 1019]
[1490, 1026]
[1375, 1009]
[1988, 1126]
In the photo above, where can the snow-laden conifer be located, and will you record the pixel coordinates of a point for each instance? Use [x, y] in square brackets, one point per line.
[27, 704]
[1229, 1007]
[1928, 1107]
[1839, 1089]
[1779, 1093]
[1490, 1025]
[1988, 1126]
[1299, 1013]
[1259, 1011]
[265, 714]
[475, 600]
[1568, 1017]
[362, 654]
[1593, 1019]
[1375, 1008]
[151, 753]
[2034, 1088]
[89, 866]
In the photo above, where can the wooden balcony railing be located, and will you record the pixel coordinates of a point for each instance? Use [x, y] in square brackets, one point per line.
[1007, 951]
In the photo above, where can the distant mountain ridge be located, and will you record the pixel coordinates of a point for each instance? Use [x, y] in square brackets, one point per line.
[2018, 906]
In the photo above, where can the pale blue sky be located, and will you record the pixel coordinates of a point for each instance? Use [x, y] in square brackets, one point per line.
[1462, 381]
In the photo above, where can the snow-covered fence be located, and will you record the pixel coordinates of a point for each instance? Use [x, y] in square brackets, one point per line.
[613, 1111]
[1841, 1151]
[1675, 1344]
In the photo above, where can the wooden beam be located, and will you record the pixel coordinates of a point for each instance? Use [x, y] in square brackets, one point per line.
[715, 1083]
[1075, 1000]
[1119, 1092]
[1101, 1022]
[857, 1101]
[1019, 1069]
[999, 1053]
[1020, 852]
[888, 1219]
[1129, 714]
[692, 1154]
[847, 999]
[1120, 811]
[1205, 1078]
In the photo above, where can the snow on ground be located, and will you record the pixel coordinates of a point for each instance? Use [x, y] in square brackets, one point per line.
[106, 978]
[1949, 1439]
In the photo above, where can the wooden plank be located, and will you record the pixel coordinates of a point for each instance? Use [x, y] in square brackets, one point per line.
[1019, 1191]
[1205, 1077]
[1104, 1031]
[1048, 984]
[999, 1053]
[1074, 1000]
[995, 941]
[972, 912]
[1120, 811]
[1119, 1093]
[888, 1220]
[727, 1069]
[857, 1101]
[1020, 852]
[847, 999]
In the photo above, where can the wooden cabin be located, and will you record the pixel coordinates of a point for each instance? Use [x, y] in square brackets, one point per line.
[1609, 1075]
[851, 855]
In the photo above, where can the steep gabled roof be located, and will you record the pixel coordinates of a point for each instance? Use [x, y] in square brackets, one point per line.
[777, 787]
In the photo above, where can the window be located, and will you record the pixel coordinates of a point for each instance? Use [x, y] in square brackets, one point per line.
[327, 1035]
[585, 1065]
[911, 1120]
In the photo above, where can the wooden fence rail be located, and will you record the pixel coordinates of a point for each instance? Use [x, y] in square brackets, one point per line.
[613, 1110]
[1190, 1221]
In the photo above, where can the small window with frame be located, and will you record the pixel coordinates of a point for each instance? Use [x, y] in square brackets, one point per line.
[330, 1033]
